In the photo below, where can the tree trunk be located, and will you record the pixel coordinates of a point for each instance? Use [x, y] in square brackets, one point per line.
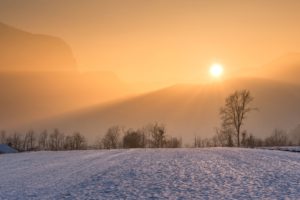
[238, 137]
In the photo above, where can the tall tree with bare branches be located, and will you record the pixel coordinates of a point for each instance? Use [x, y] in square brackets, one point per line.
[236, 109]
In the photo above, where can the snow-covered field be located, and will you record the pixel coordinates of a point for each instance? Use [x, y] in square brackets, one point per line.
[214, 173]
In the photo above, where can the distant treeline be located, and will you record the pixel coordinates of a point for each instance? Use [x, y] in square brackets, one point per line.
[233, 116]
[229, 134]
[52, 141]
[151, 136]
[227, 139]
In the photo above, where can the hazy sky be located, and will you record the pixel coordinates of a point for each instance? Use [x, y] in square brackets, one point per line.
[166, 40]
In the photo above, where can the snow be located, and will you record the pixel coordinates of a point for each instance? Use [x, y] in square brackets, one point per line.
[212, 173]
[7, 149]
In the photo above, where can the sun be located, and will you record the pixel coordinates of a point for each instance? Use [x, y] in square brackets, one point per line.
[216, 70]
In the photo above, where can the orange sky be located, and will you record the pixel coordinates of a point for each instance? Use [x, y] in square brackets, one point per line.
[164, 41]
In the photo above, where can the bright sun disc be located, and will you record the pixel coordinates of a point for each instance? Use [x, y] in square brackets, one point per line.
[216, 70]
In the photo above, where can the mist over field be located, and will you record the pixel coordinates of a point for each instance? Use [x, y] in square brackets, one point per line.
[138, 99]
[92, 101]
[47, 81]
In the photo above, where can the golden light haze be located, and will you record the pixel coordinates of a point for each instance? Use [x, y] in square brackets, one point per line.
[86, 65]
[166, 41]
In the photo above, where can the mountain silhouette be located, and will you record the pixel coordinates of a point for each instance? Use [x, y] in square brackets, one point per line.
[285, 68]
[21, 50]
[38, 78]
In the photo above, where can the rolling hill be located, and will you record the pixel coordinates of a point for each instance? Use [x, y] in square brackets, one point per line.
[187, 110]
[31, 95]
[285, 68]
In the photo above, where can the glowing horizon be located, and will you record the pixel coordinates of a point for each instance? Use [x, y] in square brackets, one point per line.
[147, 41]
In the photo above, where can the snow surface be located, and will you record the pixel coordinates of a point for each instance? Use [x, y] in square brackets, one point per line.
[212, 173]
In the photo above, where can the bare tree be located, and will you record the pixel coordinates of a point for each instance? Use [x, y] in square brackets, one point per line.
[3, 139]
[56, 140]
[69, 143]
[29, 140]
[79, 141]
[295, 135]
[158, 135]
[225, 136]
[197, 142]
[133, 139]
[15, 141]
[235, 111]
[278, 138]
[174, 142]
[244, 139]
[25, 142]
[206, 142]
[98, 143]
[250, 141]
[43, 140]
[145, 137]
[112, 137]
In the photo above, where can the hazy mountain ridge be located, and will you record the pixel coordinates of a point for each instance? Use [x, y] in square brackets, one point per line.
[34, 90]
[285, 68]
[21, 50]
[39, 78]
[189, 110]
[27, 96]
